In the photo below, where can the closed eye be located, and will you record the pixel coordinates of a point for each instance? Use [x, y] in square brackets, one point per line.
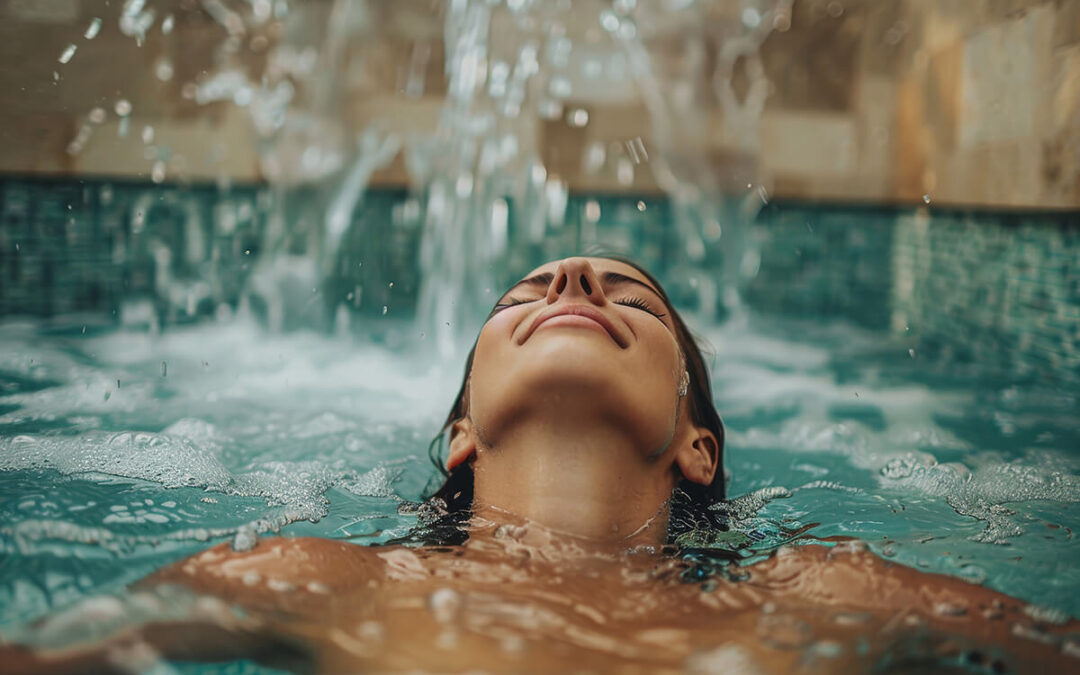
[510, 302]
[641, 304]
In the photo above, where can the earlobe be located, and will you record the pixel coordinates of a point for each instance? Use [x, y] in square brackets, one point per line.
[462, 443]
[699, 457]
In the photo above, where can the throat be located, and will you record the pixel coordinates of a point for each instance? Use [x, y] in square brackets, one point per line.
[597, 485]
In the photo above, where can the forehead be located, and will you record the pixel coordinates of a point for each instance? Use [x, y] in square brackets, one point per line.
[599, 265]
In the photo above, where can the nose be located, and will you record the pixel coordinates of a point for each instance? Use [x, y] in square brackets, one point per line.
[576, 279]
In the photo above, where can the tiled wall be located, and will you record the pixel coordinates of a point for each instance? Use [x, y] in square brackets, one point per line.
[999, 290]
[990, 288]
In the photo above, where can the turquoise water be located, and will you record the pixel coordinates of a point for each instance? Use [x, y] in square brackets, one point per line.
[123, 450]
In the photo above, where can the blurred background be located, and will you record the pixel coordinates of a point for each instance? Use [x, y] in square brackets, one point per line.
[910, 165]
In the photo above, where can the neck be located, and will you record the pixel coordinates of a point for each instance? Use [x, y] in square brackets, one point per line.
[588, 481]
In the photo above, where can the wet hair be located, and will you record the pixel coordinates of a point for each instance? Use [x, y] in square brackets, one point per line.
[447, 510]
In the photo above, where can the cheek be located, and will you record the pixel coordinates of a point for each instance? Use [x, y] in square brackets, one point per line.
[492, 354]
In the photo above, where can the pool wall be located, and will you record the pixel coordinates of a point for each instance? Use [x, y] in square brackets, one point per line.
[1001, 289]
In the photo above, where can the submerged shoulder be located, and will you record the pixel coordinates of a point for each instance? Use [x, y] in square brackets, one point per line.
[279, 563]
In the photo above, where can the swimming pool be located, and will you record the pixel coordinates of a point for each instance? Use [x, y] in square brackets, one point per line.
[125, 448]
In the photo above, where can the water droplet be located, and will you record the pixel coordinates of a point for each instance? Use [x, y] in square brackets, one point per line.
[280, 585]
[1029, 632]
[784, 631]
[93, 29]
[167, 25]
[148, 134]
[157, 172]
[384, 309]
[122, 107]
[609, 21]
[949, 609]
[578, 117]
[444, 604]
[66, 55]
[391, 284]
[163, 69]
[1071, 647]
[926, 199]
[911, 353]
[96, 115]
[641, 206]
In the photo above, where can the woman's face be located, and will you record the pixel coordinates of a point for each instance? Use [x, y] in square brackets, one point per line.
[579, 340]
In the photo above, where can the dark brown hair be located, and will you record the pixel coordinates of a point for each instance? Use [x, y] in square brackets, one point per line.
[454, 497]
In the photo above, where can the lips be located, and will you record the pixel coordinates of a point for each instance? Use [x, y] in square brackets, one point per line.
[584, 311]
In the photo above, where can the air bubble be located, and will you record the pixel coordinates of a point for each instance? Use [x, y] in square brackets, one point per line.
[123, 107]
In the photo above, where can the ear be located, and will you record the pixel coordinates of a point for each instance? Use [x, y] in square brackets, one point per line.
[698, 456]
[462, 443]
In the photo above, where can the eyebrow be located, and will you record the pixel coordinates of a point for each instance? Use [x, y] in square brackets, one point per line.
[607, 278]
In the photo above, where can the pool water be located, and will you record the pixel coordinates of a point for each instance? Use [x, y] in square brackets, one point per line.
[125, 450]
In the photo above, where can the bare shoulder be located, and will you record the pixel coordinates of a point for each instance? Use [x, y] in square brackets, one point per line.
[848, 574]
[319, 566]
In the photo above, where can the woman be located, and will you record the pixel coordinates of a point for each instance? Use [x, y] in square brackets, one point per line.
[585, 407]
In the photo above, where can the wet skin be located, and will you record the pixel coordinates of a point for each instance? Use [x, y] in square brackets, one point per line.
[557, 604]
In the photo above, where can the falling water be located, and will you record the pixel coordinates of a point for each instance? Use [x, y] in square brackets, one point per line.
[483, 196]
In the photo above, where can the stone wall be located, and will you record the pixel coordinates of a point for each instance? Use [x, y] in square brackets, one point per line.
[966, 102]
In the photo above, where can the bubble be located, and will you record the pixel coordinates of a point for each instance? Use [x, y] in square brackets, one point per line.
[122, 107]
[96, 115]
[167, 24]
[926, 199]
[157, 172]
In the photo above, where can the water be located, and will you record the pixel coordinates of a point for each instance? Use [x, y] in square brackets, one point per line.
[114, 464]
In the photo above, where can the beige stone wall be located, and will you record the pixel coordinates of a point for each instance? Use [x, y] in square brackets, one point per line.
[968, 101]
